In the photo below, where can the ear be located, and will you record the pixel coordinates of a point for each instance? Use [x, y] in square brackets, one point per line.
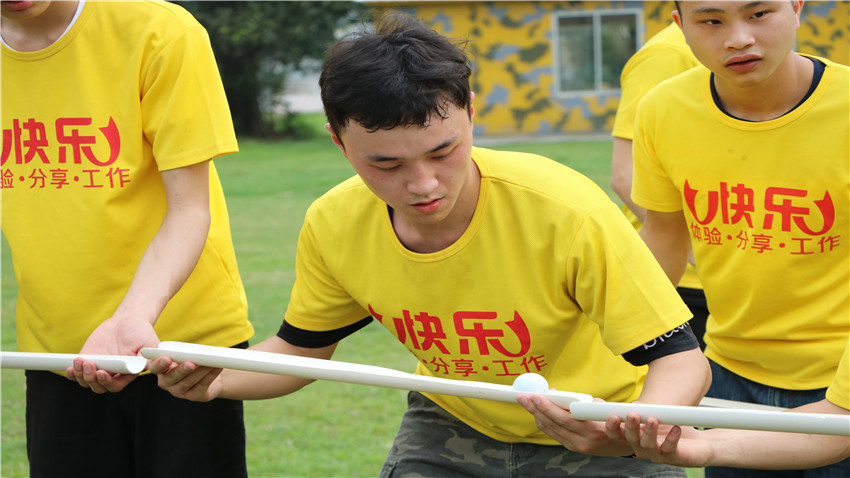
[798, 10]
[471, 108]
[677, 18]
[335, 139]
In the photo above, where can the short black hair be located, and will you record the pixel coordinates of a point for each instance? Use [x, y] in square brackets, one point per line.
[397, 75]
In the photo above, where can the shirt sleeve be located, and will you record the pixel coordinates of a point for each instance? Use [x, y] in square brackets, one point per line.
[318, 301]
[619, 285]
[680, 339]
[311, 339]
[186, 116]
[644, 70]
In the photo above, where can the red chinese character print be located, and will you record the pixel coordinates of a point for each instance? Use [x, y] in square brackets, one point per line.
[486, 337]
[118, 175]
[463, 367]
[506, 371]
[743, 240]
[696, 231]
[713, 236]
[690, 200]
[744, 205]
[81, 144]
[59, 178]
[534, 363]
[91, 183]
[404, 327]
[802, 243]
[37, 177]
[761, 242]
[827, 212]
[431, 332]
[440, 364]
[36, 141]
[8, 179]
[520, 330]
[12, 144]
[477, 330]
[377, 316]
[780, 200]
[828, 243]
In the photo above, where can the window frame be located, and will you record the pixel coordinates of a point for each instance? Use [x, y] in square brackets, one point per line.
[596, 23]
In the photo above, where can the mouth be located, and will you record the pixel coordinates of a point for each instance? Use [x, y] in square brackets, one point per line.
[428, 206]
[742, 63]
[19, 5]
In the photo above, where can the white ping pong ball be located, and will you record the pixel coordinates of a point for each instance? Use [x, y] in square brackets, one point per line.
[530, 383]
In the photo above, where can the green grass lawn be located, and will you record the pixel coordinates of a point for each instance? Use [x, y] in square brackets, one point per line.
[328, 429]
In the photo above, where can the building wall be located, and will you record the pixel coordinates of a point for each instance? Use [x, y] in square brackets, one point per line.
[513, 49]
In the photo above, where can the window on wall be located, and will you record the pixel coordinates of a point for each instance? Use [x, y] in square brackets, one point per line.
[593, 47]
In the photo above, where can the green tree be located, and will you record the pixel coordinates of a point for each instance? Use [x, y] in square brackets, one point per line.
[256, 42]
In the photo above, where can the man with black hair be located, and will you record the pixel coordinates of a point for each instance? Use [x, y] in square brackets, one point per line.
[745, 162]
[484, 264]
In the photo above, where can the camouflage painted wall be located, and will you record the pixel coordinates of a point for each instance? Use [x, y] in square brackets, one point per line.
[513, 50]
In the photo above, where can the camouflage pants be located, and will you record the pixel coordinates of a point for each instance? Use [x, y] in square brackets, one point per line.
[432, 443]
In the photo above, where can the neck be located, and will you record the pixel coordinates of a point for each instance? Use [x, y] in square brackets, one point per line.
[38, 32]
[770, 98]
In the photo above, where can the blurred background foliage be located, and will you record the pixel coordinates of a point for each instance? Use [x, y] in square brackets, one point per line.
[257, 44]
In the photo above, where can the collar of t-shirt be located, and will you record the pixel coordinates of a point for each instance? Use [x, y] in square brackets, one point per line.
[73, 20]
[818, 73]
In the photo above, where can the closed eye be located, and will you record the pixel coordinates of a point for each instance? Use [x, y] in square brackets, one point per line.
[444, 152]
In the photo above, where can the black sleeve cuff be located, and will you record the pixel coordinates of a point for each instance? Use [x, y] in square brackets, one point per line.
[314, 340]
[680, 339]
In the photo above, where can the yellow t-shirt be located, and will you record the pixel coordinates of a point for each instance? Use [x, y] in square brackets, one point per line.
[767, 208]
[839, 390]
[88, 123]
[548, 278]
[663, 56]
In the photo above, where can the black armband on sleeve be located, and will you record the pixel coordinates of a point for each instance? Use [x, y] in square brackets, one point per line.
[680, 339]
[313, 340]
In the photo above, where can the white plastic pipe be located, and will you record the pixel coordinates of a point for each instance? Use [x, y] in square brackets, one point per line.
[721, 403]
[305, 367]
[59, 362]
[779, 421]
[744, 416]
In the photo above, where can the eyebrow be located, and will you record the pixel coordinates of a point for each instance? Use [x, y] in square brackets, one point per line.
[720, 10]
[444, 144]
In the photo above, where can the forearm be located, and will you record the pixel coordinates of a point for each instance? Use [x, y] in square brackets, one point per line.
[168, 261]
[774, 450]
[173, 253]
[242, 385]
[666, 236]
[621, 175]
[689, 447]
[679, 379]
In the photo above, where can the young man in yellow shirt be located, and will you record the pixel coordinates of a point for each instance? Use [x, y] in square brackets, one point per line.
[745, 162]
[118, 231]
[484, 264]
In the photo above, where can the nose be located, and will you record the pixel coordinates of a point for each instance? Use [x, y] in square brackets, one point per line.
[422, 180]
[740, 37]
